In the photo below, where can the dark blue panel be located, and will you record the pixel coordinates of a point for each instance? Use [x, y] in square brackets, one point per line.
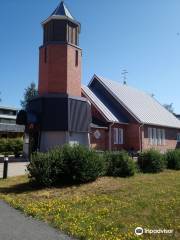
[60, 113]
[110, 102]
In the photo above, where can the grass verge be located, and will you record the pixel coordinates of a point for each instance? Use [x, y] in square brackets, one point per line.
[108, 209]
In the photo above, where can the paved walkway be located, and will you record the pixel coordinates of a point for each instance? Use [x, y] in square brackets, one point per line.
[14, 169]
[16, 226]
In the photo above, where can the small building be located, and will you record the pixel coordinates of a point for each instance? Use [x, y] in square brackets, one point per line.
[126, 118]
[8, 126]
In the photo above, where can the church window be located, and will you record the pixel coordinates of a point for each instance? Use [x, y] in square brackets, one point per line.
[76, 58]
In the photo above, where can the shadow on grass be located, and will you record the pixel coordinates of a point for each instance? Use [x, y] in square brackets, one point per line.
[21, 188]
[32, 187]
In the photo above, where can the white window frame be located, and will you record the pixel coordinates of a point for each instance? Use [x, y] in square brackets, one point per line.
[156, 136]
[118, 136]
[121, 136]
[115, 134]
[150, 134]
[163, 136]
[159, 138]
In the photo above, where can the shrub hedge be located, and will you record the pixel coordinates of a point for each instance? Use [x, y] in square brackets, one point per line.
[151, 161]
[78, 164]
[173, 159]
[67, 164]
[119, 164]
[11, 146]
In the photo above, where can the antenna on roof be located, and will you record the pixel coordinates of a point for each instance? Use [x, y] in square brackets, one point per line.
[152, 95]
[124, 75]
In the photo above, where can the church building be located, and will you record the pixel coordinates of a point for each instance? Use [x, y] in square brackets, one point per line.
[104, 115]
[126, 118]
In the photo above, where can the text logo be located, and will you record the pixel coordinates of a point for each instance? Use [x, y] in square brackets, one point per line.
[139, 231]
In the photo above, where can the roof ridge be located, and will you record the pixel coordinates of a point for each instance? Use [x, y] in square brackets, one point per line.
[124, 85]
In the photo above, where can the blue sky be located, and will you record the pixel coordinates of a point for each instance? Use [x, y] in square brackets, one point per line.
[140, 36]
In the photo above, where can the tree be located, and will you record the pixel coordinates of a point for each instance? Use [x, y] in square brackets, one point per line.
[29, 92]
[169, 107]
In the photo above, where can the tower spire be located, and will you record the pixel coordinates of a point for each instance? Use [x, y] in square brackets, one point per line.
[63, 13]
[62, 10]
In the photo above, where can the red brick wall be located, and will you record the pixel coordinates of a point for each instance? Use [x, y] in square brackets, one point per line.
[170, 142]
[132, 137]
[59, 73]
[73, 72]
[132, 140]
[103, 142]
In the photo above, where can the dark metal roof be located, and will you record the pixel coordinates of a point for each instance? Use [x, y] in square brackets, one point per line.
[98, 103]
[103, 106]
[62, 10]
[62, 13]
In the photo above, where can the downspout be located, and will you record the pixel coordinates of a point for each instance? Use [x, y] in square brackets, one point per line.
[110, 136]
[140, 137]
[39, 141]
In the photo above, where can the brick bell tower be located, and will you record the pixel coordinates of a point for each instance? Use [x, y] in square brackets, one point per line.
[60, 55]
[59, 114]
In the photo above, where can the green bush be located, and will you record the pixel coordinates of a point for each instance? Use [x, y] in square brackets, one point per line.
[81, 164]
[67, 164]
[173, 159]
[43, 168]
[151, 161]
[2, 145]
[119, 164]
[11, 146]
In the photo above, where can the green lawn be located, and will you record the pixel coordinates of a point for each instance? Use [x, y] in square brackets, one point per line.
[108, 209]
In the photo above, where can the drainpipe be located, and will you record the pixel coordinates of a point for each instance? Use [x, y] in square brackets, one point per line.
[89, 141]
[110, 136]
[39, 141]
[140, 137]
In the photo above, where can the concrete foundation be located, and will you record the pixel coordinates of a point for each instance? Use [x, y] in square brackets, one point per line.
[51, 139]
